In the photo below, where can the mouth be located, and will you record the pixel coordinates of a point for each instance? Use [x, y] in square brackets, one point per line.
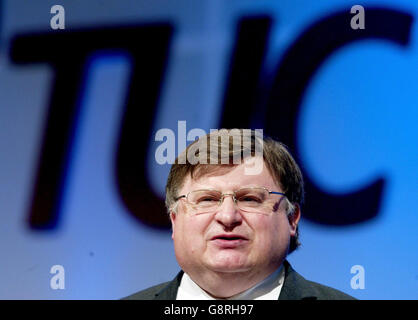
[229, 240]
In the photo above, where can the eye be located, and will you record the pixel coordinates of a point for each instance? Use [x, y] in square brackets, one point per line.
[207, 198]
[250, 198]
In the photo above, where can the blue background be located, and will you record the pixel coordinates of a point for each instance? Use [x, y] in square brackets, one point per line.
[357, 122]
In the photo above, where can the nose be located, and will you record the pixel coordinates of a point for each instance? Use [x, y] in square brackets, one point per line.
[228, 214]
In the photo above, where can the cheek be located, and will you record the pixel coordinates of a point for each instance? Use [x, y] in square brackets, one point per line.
[189, 233]
[273, 234]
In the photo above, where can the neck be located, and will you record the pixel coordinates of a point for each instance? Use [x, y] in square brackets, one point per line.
[223, 285]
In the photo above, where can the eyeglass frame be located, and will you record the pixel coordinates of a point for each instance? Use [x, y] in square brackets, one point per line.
[233, 194]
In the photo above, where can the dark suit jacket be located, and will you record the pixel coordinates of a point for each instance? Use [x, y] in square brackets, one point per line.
[295, 287]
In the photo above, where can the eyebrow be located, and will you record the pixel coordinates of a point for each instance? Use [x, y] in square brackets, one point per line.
[234, 188]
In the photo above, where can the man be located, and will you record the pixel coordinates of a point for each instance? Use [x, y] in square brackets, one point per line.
[234, 200]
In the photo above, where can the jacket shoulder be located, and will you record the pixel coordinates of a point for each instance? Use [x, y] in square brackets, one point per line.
[163, 291]
[296, 287]
[147, 294]
[323, 292]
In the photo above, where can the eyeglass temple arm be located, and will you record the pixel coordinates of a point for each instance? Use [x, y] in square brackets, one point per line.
[179, 197]
[274, 192]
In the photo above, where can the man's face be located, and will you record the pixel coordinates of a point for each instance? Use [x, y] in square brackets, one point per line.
[264, 238]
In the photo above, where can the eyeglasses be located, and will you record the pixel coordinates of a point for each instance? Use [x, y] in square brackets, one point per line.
[252, 199]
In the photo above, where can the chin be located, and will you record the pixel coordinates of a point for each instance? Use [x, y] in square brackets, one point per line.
[229, 264]
[229, 269]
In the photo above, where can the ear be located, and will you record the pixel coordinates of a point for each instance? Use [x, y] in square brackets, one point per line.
[173, 223]
[294, 220]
